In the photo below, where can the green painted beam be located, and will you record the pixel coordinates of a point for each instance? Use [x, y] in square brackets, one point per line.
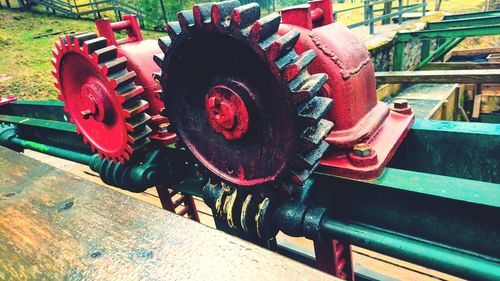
[441, 50]
[405, 36]
[465, 190]
[454, 149]
[35, 122]
[472, 15]
[468, 22]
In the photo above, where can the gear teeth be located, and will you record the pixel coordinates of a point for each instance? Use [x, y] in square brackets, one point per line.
[174, 29]
[186, 19]
[300, 176]
[141, 143]
[124, 79]
[115, 66]
[54, 73]
[105, 54]
[157, 77]
[134, 106]
[158, 59]
[298, 65]
[128, 93]
[312, 112]
[221, 13]
[312, 136]
[264, 28]
[135, 136]
[90, 46]
[53, 61]
[308, 159]
[283, 45]
[306, 86]
[82, 37]
[135, 122]
[243, 17]
[202, 13]
[290, 69]
[164, 43]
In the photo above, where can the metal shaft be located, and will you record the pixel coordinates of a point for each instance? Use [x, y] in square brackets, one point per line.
[52, 150]
[440, 257]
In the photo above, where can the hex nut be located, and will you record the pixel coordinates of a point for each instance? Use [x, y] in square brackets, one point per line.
[362, 149]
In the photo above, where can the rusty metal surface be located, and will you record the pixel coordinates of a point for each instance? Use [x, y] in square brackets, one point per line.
[57, 226]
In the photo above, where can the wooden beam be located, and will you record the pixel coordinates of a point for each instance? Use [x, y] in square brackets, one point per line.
[477, 76]
[460, 65]
[57, 226]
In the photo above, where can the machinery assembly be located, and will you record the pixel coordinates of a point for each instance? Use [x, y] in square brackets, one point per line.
[274, 121]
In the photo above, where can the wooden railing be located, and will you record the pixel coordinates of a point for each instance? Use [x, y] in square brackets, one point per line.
[387, 13]
[92, 9]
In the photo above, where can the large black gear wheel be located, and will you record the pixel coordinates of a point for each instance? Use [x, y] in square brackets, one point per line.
[225, 48]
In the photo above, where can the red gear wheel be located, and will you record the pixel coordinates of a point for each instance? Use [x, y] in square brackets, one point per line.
[100, 96]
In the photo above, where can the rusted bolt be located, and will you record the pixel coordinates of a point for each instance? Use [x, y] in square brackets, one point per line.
[400, 104]
[362, 149]
[163, 127]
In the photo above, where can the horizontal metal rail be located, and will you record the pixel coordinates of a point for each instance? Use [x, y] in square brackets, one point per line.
[472, 15]
[468, 22]
[426, 253]
[484, 30]
[52, 150]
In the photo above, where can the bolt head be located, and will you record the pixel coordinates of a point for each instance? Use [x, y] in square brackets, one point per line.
[400, 104]
[362, 149]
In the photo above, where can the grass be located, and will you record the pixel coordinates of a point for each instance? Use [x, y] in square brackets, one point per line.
[26, 60]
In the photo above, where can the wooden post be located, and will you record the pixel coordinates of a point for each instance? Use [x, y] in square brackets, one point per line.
[387, 10]
[370, 14]
[400, 12]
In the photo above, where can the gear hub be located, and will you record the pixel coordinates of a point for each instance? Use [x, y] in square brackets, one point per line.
[226, 110]
[240, 98]
[100, 95]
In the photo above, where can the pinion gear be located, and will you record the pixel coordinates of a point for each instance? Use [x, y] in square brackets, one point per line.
[239, 96]
[100, 95]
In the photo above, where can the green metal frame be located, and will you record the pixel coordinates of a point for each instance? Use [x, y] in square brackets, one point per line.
[453, 29]
[437, 204]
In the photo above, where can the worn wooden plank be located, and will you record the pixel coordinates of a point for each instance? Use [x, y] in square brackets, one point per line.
[475, 51]
[477, 76]
[461, 65]
[430, 101]
[56, 226]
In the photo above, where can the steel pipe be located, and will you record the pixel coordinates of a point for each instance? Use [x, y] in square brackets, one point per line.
[437, 256]
[52, 150]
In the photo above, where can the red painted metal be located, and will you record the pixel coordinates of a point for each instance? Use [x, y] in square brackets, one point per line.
[177, 203]
[7, 100]
[139, 54]
[226, 110]
[357, 115]
[334, 257]
[91, 100]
